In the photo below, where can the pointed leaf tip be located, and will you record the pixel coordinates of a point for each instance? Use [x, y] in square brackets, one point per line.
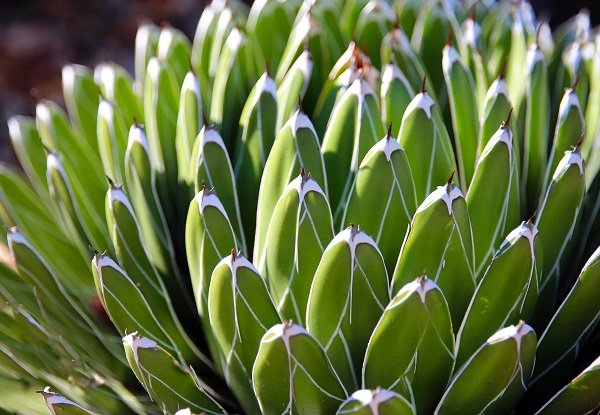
[389, 131]
[449, 37]
[204, 119]
[505, 123]
[423, 86]
[503, 69]
[576, 81]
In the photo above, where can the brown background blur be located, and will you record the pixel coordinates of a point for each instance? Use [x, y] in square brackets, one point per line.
[38, 37]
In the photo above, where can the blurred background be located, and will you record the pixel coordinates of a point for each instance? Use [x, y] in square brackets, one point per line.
[38, 37]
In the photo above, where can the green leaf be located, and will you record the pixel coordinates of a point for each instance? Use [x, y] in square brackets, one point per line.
[463, 108]
[349, 293]
[146, 42]
[130, 311]
[537, 118]
[354, 127]
[211, 165]
[174, 50]
[374, 402]
[427, 144]
[304, 382]
[233, 81]
[143, 195]
[572, 323]
[292, 87]
[112, 140]
[396, 94]
[208, 238]
[252, 147]
[495, 377]
[241, 311]
[28, 147]
[579, 396]
[300, 229]
[557, 221]
[296, 145]
[439, 242]
[269, 26]
[170, 383]
[411, 351]
[498, 300]
[570, 127]
[188, 127]
[82, 98]
[116, 86]
[494, 209]
[384, 170]
[64, 406]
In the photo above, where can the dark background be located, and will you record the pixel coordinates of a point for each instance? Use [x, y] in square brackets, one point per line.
[38, 37]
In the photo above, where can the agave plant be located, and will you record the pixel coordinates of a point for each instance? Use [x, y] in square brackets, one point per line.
[263, 245]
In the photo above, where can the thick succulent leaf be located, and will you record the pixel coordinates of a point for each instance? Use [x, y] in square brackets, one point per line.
[384, 170]
[375, 20]
[439, 242]
[161, 103]
[396, 94]
[494, 209]
[20, 207]
[304, 383]
[241, 311]
[495, 377]
[216, 23]
[146, 42]
[174, 50]
[592, 66]
[211, 166]
[78, 155]
[130, 311]
[396, 44]
[570, 127]
[557, 220]
[233, 81]
[496, 106]
[135, 258]
[208, 238]
[312, 32]
[300, 230]
[573, 322]
[463, 108]
[507, 292]
[28, 147]
[169, 383]
[427, 144]
[57, 403]
[354, 127]
[112, 140]
[252, 147]
[348, 295]
[65, 312]
[143, 195]
[342, 75]
[188, 127]
[411, 351]
[116, 86]
[292, 87]
[374, 402]
[536, 119]
[62, 195]
[269, 25]
[579, 396]
[296, 145]
[82, 98]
